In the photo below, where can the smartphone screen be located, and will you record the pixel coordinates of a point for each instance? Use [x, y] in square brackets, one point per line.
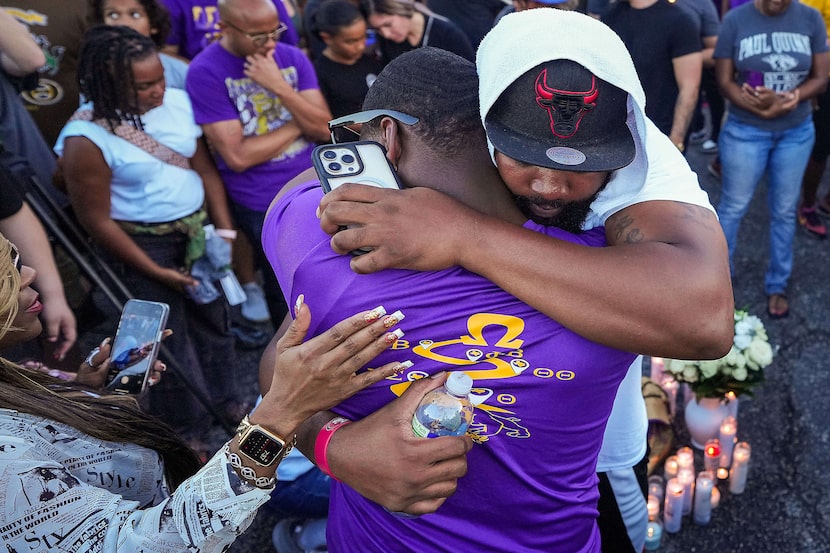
[136, 345]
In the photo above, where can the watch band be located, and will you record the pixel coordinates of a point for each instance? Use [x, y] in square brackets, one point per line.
[247, 473]
[267, 440]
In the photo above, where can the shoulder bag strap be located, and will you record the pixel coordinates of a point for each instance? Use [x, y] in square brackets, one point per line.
[138, 138]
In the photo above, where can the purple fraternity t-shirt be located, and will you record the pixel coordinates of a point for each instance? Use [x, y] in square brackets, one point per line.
[543, 395]
[193, 25]
[220, 91]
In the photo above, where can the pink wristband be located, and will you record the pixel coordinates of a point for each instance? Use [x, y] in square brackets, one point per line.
[321, 444]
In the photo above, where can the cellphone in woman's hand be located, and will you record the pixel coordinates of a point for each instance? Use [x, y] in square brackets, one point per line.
[136, 345]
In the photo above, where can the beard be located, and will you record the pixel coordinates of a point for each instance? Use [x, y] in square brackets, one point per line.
[571, 215]
[569, 219]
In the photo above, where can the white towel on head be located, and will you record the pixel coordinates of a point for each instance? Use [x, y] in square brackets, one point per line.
[523, 40]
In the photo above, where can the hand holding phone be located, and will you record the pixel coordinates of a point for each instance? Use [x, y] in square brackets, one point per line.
[136, 345]
[361, 162]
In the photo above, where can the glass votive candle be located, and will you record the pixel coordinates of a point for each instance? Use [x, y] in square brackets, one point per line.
[686, 458]
[670, 467]
[654, 535]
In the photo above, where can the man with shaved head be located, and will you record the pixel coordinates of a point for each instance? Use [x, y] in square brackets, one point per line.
[261, 109]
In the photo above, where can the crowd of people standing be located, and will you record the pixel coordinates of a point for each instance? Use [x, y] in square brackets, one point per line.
[227, 99]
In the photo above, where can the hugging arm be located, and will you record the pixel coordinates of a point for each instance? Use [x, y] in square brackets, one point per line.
[662, 287]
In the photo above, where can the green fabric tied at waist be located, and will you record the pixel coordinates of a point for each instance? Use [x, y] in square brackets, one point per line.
[192, 226]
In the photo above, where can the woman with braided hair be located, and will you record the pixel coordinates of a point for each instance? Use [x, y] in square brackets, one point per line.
[142, 184]
[83, 470]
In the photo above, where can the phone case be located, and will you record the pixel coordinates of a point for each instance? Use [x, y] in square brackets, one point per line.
[141, 326]
[360, 162]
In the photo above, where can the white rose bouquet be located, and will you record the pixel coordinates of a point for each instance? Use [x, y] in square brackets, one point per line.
[738, 371]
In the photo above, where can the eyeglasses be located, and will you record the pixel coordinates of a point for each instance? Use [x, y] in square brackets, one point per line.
[16, 261]
[260, 39]
[337, 126]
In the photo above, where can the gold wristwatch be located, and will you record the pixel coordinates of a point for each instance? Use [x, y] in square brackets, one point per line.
[262, 446]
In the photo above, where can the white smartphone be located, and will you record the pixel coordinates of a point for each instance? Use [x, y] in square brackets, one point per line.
[361, 162]
[136, 345]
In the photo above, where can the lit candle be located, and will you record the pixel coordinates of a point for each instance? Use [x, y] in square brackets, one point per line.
[711, 455]
[657, 486]
[740, 468]
[657, 368]
[732, 404]
[686, 458]
[653, 506]
[673, 506]
[670, 386]
[723, 473]
[686, 476]
[703, 497]
[670, 467]
[715, 497]
[728, 431]
[654, 533]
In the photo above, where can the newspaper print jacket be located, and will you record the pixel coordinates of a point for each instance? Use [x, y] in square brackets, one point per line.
[64, 491]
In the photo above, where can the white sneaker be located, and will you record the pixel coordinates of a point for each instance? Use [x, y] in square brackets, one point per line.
[254, 307]
[709, 147]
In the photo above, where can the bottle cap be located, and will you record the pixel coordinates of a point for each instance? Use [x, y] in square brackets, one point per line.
[459, 383]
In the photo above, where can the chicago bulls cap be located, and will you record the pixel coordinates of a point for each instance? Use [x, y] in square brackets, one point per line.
[561, 116]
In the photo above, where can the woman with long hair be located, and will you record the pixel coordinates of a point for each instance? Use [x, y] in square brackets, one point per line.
[403, 25]
[79, 466]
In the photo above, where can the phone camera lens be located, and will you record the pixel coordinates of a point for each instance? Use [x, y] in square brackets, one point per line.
[328, 154]
[348, 158]
[335, 167]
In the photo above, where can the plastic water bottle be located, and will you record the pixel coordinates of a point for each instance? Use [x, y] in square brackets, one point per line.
[446, 411]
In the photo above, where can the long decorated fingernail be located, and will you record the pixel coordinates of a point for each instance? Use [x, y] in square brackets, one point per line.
[402, 366]
[374, 314]
[394, 336]
[391, 320]
[298, 304]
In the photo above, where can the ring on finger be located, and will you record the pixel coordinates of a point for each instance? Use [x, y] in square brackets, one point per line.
[89, 358]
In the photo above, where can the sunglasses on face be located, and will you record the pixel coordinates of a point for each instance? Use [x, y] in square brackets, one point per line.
[342, 132]
[260, 39]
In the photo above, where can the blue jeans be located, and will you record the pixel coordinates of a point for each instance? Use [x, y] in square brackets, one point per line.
[250, 222]
[746, 153]
[305, 497]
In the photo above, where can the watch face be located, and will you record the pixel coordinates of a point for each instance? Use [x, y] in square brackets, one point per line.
[260, 447]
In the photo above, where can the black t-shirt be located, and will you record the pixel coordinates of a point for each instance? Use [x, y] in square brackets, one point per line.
[437, 33]
[655, 36]
[10, 202]
[474, 17]
[345, 86]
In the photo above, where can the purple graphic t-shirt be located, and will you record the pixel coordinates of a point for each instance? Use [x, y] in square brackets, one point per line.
[193, 25]
[220, 91]
[542, 394]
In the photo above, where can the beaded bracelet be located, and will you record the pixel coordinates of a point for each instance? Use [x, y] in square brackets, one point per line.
[247, 473]
[321, 444]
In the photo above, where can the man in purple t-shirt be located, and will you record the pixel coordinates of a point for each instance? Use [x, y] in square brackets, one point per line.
[543, 394]
[261, 110]
[194, 24]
